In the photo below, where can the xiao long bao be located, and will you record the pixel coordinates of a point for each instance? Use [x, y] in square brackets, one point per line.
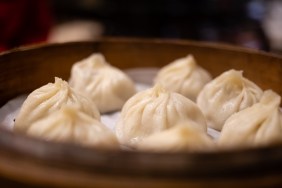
[108, 87]
[70, 124]
[155, 110]
[258, 125]
[227, 94]
[49, 98]
[163, 118]
[184, 76]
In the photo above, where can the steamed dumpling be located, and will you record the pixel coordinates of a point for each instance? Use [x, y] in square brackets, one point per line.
[49, 98]
[69, 124]
[258, 125]
[228, 93]
[155, 110]
[104, 84]
[184, 76]
[183, 137]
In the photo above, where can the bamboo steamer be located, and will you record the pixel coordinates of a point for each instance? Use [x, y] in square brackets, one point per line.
[28, 162]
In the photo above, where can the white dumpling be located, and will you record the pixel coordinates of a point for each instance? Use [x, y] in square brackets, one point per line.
[258, 125]
[104, 84]
[49, 98]
[184, 76]
[69, 124]
[228, 93]
[155, 110]
[183, 137]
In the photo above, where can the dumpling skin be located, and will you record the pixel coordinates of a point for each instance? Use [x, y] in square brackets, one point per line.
[155, 110]
[49, 98]
[108, 87]
[258, 125]
[184, 76]
[69, 124]
[227, 94]
[184, 137]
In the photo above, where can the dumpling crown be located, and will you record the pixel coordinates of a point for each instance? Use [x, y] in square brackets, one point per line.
[98, 61]
[187, 64]
[158, 90]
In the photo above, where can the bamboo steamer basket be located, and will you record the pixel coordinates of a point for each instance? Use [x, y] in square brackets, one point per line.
[29, 162]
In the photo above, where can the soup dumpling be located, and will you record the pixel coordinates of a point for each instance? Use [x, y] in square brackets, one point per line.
[184, 76]
[258, 125]
[107, 86]
[49, 98]
[155, 110]
[227, 94]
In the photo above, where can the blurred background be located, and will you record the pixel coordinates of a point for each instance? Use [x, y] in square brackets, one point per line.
[253, 24]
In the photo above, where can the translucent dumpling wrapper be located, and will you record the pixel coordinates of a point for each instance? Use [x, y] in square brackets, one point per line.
[184, 76]
[70, 124]
[225, 95]
[155, 110]
[258, 125]
[104, 84]
[184, 137]
[49, 98]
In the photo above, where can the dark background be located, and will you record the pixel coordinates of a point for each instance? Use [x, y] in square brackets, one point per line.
[229, 21]
[248, 23]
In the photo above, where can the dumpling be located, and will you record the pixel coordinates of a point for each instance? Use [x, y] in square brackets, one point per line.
[49, 98]
[258, 125]
[104, 84]
[69, 124]
[228, 93]
[184, 76]
[183, 137]
[155, 110]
